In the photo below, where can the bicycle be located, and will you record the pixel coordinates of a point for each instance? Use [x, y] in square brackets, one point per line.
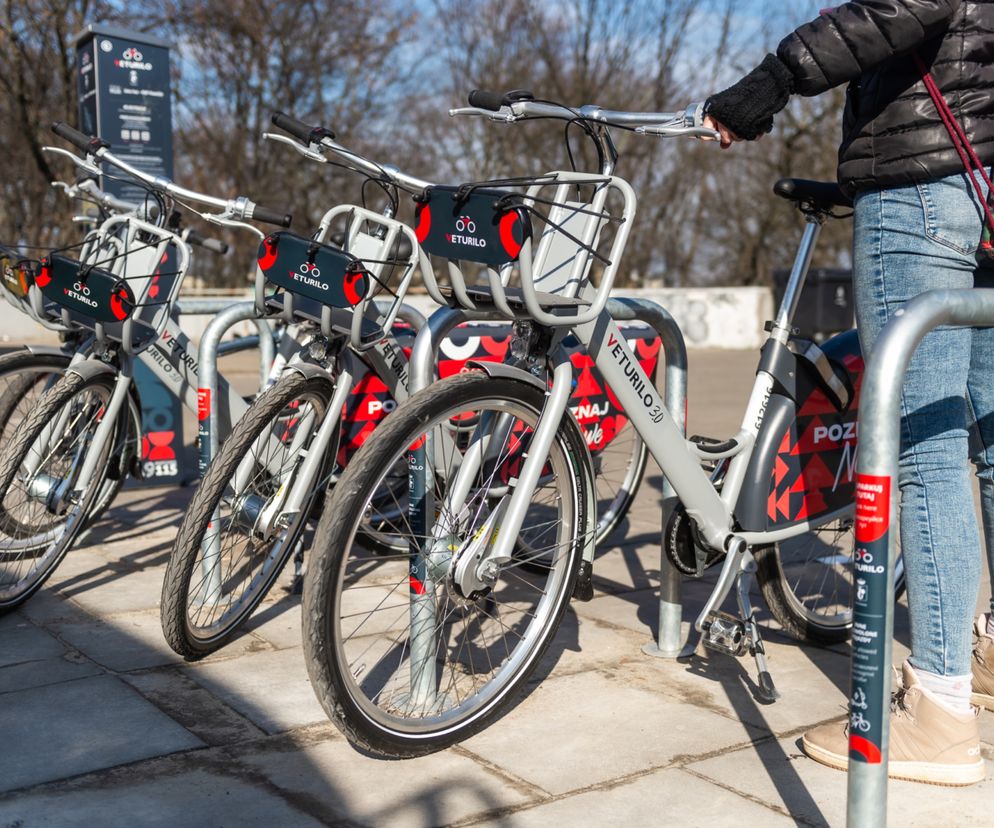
[250, 512]
[224, 560]
[30, 370]
[411, 654]
[120, 291]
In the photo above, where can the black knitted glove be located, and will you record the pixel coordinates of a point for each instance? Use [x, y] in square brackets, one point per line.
[748, 107]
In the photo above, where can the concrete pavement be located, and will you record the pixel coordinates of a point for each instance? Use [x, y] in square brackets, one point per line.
[102, 725]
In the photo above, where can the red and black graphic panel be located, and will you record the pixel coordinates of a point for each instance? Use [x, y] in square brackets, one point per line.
[90, 291]
[15, 272]
[318, 271]
[484, 226]
[598, 413]
[814, 471]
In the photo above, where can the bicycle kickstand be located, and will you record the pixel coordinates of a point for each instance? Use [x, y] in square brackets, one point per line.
[767, 690]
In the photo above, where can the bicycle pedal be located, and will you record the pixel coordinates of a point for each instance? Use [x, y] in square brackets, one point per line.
[724, 633]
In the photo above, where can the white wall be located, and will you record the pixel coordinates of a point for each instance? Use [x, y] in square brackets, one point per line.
[728, 318]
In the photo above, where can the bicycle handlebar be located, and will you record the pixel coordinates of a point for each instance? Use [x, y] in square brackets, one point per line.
[200, 240]
[239, 208]
[87, 143]
[481, 99]
[269, 216]
[324, 139]
[519, 105]
[298, 129]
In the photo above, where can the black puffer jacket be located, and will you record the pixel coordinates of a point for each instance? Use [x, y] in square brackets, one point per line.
[892, 134]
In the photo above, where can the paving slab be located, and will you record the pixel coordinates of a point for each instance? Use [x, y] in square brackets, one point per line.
[778, 773]
[666, 797]
[66, 729]
[440, 789]
[134, 641]
[196, 708]
[200, 798]
[572, 732]
[112, 591]
[270, 688]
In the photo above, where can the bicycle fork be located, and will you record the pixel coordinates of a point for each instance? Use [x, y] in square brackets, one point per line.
[58, 494]
[265, 518]
[476, 563]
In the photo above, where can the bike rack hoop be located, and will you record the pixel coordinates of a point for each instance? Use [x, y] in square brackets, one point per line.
[876, 533]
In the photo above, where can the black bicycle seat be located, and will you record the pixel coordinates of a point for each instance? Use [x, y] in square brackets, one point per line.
[819, 196]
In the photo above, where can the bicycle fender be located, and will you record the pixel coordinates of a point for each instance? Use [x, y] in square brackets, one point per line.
[46, 350]
[501, 369]
[308, 370]
[89, 368]
[804, 462]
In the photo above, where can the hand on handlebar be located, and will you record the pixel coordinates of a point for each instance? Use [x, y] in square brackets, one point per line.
[727, 137]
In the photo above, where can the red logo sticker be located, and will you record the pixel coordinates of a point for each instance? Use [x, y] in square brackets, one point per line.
[872, 507]
[203, 403]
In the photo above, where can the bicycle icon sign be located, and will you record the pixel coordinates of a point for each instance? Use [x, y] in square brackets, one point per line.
[857, 721]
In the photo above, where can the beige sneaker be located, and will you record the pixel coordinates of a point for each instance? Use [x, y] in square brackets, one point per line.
[928, 741]
[983, 666]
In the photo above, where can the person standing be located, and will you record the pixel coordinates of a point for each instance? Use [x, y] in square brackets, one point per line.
[917, 226]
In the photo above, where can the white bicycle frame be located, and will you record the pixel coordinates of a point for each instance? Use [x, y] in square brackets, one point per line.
[679, 458]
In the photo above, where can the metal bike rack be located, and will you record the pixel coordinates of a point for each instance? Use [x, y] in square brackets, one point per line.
[876, 535]
[669, 639]
[425, 355]
[228, 315]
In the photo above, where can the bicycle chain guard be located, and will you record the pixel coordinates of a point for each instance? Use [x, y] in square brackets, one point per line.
[684, 547]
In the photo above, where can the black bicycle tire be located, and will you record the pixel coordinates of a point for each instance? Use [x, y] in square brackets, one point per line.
[333, 533]
[13, 455]
[184, 554]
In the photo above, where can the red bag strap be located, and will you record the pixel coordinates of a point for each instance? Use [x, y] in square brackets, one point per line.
[956, 132]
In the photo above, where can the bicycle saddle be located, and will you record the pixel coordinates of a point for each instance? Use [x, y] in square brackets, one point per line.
[820, 196]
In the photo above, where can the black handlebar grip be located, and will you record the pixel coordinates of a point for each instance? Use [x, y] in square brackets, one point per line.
[87, 143]
[277, 217]
[482, 99]
[200, 240]
[299, 130]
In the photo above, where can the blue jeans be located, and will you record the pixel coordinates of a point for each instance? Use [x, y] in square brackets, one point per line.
[908, 240]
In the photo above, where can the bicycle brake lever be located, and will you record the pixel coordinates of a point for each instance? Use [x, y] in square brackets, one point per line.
[225, 221]
[502, 115]
[672, 131]
[307, 152]
[79, 162]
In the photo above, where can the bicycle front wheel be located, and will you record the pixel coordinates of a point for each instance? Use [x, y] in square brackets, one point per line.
[404, 656]
[38, 473]
[231, 548]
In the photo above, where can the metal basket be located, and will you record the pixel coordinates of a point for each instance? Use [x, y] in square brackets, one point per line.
[549, 239]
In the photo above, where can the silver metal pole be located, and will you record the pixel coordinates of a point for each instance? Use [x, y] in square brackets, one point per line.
[876, 536]
[669, 638]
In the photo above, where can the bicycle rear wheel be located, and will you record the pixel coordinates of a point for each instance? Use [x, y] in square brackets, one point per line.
[406, 658]
[54, 438]
[226, 558]
[618, 469]
[807, 582]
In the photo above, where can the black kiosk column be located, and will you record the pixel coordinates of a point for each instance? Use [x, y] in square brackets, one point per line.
[125, 98]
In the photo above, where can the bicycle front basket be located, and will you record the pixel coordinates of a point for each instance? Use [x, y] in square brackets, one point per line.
[89, 291]
[314, 270]
[478, 225]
